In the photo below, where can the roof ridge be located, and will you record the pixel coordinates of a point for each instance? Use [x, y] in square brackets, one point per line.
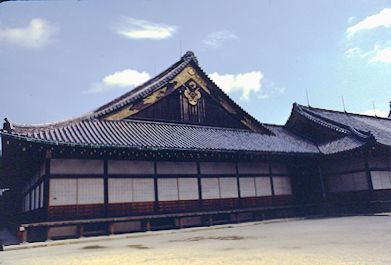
[345, 112]
[151, 84]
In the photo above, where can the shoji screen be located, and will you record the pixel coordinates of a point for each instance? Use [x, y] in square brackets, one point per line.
[120, 190]
[282, 186]
[228, 188]
[90, 191]
[262, 186]
[143, 190]
[247, 187]
[188, 188]
[168, 189]
[62, 192]
[210, 188]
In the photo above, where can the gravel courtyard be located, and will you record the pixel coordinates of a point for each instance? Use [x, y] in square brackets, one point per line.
[346, 240]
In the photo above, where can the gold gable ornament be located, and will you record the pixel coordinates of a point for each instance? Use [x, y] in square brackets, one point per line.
[192, 93]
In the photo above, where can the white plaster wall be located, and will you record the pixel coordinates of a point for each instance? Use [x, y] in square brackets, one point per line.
[282, 185]
[263, 187]
[168, 189]
[188, 188]
[182, 168]
[76, 166]
[228, 188]
[217, 168]
[120, 190]
[62, 192]
[143, 190]
[247, 187]
[253, 168]
[90, 191]
[130, 167]
[210, 188]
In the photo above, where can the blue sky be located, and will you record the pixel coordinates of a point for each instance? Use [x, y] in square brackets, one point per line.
[61, 59]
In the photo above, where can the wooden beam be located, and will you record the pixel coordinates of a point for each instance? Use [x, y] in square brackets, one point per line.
[238, 184]
[106, 187]
[271, 179]
[156, 188]
[200, 204]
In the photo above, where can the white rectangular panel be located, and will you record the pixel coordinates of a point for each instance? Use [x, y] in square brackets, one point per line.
[76, 166]
[188, 188]
[247, 187]
[253, 168]
[90, 191]
[143, 190]
[182, 168]
[167, 189]
[262, 186]
[210, 188]
[123, 167]
[228, 188]
[62, 192]
[217, 168]
[120, 190]
[282, 185]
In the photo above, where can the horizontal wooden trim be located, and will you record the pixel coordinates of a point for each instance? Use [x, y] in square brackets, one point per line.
[75, 176]
[344, 172]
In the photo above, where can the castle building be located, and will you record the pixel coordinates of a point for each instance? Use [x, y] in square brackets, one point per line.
[177, 152]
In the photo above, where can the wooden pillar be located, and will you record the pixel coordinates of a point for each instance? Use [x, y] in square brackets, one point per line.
[271, 180]
[81, 230]
[46, 186]
[321, 180]
[368, 172]
[106, 187]
[200, 204]
[238, 184]
[156, 189]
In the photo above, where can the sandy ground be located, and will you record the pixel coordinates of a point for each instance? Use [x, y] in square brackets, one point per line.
[348, 240]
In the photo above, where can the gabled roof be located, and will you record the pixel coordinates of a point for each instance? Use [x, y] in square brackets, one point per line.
[356, 130]
[163, 84]
[100, 129]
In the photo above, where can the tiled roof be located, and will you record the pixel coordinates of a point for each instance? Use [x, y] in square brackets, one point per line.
[357, 129]
[159, 135]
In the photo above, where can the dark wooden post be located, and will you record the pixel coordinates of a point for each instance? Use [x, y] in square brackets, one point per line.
[322, 185]
[271, 180]
[200, 204]
[46, 186]
[368, 172]
[106, 187]
[238, 184]
[155, 184]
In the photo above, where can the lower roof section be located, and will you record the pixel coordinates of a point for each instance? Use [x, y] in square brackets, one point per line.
[159, 135]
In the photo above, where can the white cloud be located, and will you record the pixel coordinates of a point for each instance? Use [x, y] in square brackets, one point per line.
[246, 83]
[37, 34]
[132, 28]
[125, 78]
[381, 19]
[379, 113]
[382, 55]
[217, 38]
